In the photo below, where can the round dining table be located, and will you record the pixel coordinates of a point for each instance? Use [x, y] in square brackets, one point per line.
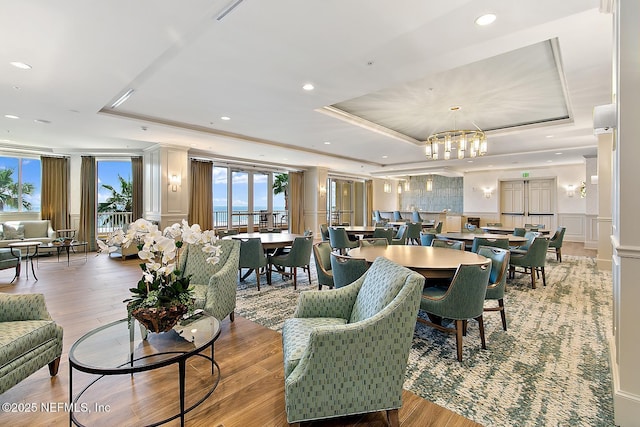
[467, 238]
[269, 240]
[508, 230]
[432, 263]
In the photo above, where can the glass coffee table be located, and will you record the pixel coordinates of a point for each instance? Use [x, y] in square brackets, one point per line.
[125, 347]
[65, 247]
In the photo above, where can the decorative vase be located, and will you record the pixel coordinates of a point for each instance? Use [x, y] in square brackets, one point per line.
[160, 319]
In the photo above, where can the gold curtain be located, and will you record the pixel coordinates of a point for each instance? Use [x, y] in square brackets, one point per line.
[201, 200]
[137, 184]
[55, 191]
[87, 224]
[368, 189]
[296, 202]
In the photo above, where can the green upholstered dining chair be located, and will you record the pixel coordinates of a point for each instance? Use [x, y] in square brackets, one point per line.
[531, 261]
[270, 230]
[415, 217]
[401, 236]
[494, 224]
[387, 233]
[529, 235]
[451, 244]
[437, 228]
[252, 256]
[298, 257]
[460, 301]
[376, 216]
[413, 232]
[555, 242]
[223, 232]
[374, 241]
[397, 216]
[346, 350]
[497, 278]
[346, 269]
[340, 240]
[324, 232]
[426, 237]
[214, 285]
[484, 241]
[10, 259]
[519, 231]
[322, 258]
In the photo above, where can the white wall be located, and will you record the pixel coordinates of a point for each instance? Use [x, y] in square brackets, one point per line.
[385, 201]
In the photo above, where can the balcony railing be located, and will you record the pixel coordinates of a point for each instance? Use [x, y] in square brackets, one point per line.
[108, 222]
[111, 221]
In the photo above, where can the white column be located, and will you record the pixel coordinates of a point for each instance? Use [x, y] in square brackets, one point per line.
[626, 206]
[166, 184]
[315, 199]
[604, 201]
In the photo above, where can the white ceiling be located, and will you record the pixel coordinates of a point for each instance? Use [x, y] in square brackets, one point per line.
[188, 69]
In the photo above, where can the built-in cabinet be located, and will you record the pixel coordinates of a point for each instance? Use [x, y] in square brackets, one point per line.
[530, 201]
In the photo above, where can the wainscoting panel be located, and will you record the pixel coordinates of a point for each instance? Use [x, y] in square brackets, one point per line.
[575, 224]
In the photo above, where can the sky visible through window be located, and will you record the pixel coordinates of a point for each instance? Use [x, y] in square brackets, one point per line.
[108, 171]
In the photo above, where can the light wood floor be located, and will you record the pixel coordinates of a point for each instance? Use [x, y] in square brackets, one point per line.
[84, 296]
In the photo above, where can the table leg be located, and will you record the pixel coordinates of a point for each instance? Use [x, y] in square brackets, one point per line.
[71, 395]
[181, 367]
[32, 268]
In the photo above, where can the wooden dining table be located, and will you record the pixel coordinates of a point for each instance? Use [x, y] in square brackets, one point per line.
[269, 240]
[508, 230]
[355, 230]
[467, 238]
[432, 263]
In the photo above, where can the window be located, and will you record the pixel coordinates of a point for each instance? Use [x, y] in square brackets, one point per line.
[220, 192]
[114, 194]
[20, 184]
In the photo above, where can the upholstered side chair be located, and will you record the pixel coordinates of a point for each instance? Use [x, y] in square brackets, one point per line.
[214, 285]
[346, 350]
[555, 242]
[322, 258]
[497, 278]
[346, 269]
[531, 261]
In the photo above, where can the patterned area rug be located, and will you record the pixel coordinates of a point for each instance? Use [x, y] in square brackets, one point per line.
[550, 368]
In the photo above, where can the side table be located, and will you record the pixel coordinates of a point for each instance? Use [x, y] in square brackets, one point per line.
[29, 256]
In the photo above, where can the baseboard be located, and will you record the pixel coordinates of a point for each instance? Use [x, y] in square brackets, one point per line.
[626, 406]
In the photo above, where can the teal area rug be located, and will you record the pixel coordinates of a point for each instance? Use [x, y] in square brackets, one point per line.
[550, 368]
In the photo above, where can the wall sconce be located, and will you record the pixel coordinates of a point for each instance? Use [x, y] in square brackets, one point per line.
[387, 187]
[322, 189]
[429, 183]
[407, 184]
[487, 192]
[399, 188]
[571, 190]
[174, 182]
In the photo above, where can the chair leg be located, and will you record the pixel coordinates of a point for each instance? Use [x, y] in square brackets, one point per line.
[544, 278]
[533, 278]
[232, 316]
[295, 277]
[459, 327]
[392, 418]
[53, 367]
[559, 254]
[502, 314]
[258, 277]
[480, 320]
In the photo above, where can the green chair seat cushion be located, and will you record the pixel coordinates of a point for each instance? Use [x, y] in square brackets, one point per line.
[20, 337]
[199, 292]
[434, 292]
[295, 335]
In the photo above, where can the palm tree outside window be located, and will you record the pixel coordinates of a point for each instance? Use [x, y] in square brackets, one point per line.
[20, 184]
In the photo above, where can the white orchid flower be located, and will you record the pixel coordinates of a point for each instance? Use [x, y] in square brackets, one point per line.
[148, 277]
[213, 260]
[146, 255]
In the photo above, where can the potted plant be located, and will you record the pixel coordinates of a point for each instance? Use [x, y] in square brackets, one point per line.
[162, 295]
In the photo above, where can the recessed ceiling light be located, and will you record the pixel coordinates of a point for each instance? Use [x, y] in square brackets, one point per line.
[557, 154]
[384, 157]
[21, 65]
[549, 161]
[469, 161]
[485, 19]
[42, 121]
[327, 143]
[11, 116]
[308, 86]
[225, 118]
[549, 136]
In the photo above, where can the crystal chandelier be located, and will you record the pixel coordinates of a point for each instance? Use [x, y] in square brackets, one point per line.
[473, 142]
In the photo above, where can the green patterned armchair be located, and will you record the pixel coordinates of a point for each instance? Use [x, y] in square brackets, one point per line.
[346, 349]
[29, 338]
[214, 285]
